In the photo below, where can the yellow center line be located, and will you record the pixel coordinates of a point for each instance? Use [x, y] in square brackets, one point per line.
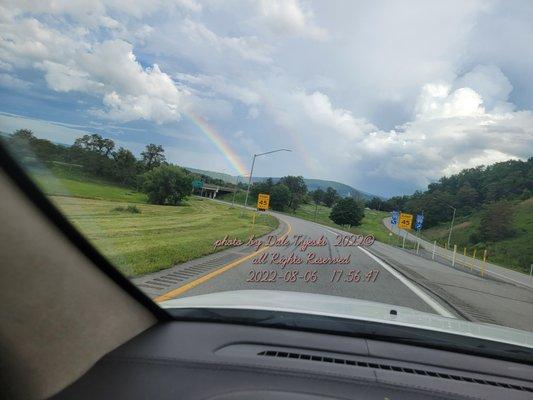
[204, 278]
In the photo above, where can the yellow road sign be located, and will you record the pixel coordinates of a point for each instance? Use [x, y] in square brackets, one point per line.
[405, 221]
[262, 201]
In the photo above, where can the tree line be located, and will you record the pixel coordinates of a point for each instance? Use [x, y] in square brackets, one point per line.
[165, 183]
[490, 190]
[289, 192]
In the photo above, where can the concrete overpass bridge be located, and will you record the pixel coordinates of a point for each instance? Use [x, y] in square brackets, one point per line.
[211, 191]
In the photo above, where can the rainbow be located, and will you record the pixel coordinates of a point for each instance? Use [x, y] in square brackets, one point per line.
[219, 142]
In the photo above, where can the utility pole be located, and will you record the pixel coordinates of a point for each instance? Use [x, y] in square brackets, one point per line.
[235, 191]
[453, 219]
[252, 171]
[451, 226]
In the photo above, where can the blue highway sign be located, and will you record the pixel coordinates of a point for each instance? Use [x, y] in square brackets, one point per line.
[419, 221]
[394, 217]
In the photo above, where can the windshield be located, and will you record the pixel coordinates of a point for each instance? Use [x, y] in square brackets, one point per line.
[360, 160]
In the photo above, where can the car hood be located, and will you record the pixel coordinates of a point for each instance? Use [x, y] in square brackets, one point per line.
[354, 309]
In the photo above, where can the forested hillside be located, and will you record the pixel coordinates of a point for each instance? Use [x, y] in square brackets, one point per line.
[493, 210]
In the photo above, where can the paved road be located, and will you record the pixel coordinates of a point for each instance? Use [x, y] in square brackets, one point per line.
[490, 269]
[379, 273]
[363, 277]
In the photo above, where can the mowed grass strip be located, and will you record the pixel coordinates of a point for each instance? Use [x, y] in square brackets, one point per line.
[159, 236]
[60, 180]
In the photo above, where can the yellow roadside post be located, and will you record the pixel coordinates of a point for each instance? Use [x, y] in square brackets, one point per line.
[464, 251]
[485, 256]
[474, 254]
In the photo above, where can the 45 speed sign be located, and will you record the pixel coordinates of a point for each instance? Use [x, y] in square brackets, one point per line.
[263, 201]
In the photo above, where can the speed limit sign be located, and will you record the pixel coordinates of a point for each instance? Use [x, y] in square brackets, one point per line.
[262, 201]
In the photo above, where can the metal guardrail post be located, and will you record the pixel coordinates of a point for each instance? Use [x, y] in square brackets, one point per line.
[454, 252]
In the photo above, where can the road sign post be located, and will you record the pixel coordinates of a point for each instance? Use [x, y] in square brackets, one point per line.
[263, 201]
[405, 221]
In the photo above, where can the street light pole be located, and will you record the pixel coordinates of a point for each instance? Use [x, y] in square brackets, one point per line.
[252, 171]
[235, 191]
[451, 226]
[249, 182]
[453, 219]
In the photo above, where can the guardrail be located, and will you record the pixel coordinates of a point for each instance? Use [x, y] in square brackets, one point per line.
[435, 252]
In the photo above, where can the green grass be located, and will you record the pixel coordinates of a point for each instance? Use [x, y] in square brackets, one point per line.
[68, 180]
[239, 198]
[515, 253]
[159, 236]
[139, 238]
[371, 224]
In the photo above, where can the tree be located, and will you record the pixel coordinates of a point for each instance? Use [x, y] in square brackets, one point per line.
[125, 166]
[95, 143]
[375, 203]
[298, 189]
[466, 197]
[166, 184]
[317, 196]
[279, 197]
[261, 187]
[25, 135]
[496, 222]
[21, 142]
[153, 156]
[330, 197]
[347, 211]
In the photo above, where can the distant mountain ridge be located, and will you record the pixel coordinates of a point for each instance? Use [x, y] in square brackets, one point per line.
[312, 184]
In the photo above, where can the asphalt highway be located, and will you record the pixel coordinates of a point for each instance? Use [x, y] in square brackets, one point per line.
[307, 257]
[360, 275]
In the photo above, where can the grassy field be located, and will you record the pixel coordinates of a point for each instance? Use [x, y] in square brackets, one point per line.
[140, 238]
[67, 180]
[515, 252]
[159, 236]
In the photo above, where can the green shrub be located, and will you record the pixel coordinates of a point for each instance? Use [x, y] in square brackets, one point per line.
[166, 185]
[347, 211]
[130, 209]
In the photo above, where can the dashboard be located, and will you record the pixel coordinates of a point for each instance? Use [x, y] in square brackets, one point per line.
[208, 361]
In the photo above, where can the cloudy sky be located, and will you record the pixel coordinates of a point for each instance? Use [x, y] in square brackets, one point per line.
[386, 96]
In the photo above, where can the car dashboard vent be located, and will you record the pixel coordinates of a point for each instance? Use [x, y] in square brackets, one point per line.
[388, 367]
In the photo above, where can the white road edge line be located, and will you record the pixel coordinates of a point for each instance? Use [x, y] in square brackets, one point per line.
[415, 289]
